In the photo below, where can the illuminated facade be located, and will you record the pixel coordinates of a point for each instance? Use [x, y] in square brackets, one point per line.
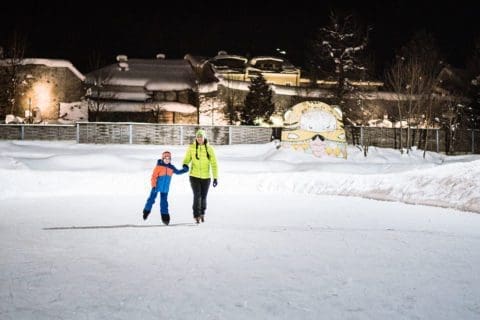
[43, 84]
[275, 70]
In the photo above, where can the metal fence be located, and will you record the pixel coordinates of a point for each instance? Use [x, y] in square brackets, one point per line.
[437, 140]
[135, 133]
[37, 132]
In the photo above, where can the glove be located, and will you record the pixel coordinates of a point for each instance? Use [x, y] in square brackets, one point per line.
[185, 168]
[215, 182]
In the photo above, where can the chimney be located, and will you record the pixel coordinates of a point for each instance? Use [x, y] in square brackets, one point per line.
[122, 58]
[123, 66]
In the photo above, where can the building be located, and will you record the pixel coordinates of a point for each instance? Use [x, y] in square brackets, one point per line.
[193, 90]
[149, 90]
[230, 67]
[42, 86]
[275, 70]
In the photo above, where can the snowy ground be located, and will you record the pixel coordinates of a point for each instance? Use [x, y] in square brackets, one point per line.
[278, 243]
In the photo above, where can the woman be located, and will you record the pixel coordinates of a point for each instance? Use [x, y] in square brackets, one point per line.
[201, 155]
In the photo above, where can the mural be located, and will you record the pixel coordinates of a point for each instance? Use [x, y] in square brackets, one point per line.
[315, 127]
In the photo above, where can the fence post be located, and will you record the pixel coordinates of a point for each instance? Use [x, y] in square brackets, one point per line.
[230, 135]
[181, 135]
[78, 132]
[22, 132]
[361, 135]
[437, 138]
[130, 133]
[473, 141]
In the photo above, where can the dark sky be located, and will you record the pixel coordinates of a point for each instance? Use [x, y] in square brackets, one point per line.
[72, 31]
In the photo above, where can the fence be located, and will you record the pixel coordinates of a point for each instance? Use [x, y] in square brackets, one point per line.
[37, 132]
[135, 133]
[437, 140]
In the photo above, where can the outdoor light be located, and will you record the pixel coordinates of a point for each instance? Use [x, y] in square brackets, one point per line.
[43, 95]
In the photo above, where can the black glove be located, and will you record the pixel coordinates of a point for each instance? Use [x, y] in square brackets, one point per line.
[215, 182]
[185, 167]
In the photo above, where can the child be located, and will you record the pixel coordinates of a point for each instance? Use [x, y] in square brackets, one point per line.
[161, 177]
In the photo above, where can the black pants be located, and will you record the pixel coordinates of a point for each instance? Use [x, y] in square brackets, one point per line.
[200, 191]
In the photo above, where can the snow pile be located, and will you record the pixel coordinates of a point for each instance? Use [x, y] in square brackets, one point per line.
[385, 174]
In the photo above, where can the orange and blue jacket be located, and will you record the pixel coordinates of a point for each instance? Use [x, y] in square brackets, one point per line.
[162, 175]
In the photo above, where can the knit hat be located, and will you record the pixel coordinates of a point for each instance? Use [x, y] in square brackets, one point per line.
[201, 133]
[166, 154]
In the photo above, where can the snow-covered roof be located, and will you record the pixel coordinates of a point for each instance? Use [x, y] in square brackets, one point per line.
[53, 63]
[195, 61]
[229, 63]
[311, 92]
[142, 107]
[229, 57]
[281, 90]
[176, 107]
[151, 74]
[286, 66]
[254, 60]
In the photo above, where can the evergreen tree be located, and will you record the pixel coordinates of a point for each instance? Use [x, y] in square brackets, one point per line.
[337, 54]
[258, 102]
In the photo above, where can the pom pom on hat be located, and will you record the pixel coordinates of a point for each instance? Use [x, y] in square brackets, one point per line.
[201, 133]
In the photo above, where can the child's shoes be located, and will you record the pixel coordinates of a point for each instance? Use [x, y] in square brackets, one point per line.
[166, 219]
[145, 214]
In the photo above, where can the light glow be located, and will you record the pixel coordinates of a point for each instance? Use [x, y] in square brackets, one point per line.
[42, 95]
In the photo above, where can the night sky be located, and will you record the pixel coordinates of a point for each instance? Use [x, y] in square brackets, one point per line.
[143, 29]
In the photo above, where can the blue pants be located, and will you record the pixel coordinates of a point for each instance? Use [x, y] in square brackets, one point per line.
[163, 201]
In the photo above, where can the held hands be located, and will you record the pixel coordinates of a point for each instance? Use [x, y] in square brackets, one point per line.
[185, 168]
[215, 182]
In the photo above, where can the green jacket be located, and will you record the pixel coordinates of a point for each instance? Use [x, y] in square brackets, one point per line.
[200, 167]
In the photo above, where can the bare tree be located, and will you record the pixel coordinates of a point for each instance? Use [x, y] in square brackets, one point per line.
[14, 55]
[96, 95]
[395, 78]
[413, 78]
[233, 102]
[95, 106]
[473, 65]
